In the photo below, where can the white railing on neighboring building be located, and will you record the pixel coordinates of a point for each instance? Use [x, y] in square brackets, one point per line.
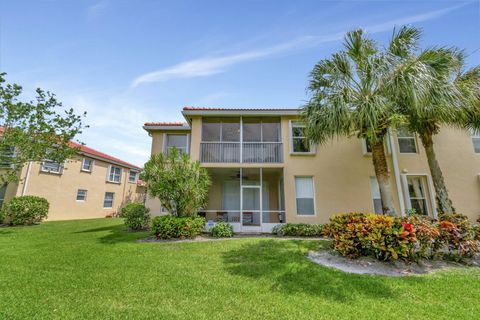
[236, 152]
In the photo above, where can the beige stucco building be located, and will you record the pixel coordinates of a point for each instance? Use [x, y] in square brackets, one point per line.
[92, 184]
[263, 173]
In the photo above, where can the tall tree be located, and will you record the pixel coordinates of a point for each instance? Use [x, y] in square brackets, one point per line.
[451, 100]
[351, 96]
[33, 131]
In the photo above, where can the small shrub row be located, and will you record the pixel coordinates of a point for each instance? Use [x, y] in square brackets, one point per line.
[136, 216]
[170, 227]
[222, 230]
[24, 210]
[410, 238]
[298, 230]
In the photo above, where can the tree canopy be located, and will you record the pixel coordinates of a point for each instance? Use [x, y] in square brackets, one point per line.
[35, 130]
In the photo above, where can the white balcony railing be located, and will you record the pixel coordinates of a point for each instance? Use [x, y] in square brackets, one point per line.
[236, 152]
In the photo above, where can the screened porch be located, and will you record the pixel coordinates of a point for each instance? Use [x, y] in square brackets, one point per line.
[250, 199]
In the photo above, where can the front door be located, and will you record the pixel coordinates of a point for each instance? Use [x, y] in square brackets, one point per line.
[251, 208]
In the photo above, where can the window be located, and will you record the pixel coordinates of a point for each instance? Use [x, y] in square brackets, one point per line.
[132, 176]
[221, 130]
[416, 194]
[377, 200]
[179, 141]
[476, 141]
[115, 174]
[87, 165]
[304, 196]
[3, 189]
[108, 201]
[6, 157]
[299, 140]
[51, 166]
[367, 148]
[81, 195]
[407, 143]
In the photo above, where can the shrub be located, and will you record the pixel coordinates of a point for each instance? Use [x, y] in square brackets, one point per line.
[136, 216]
[222, 230]
[458, 235]
[179, 183]
[298, 230]
[25, 210]
[428, 237]
[168, 227]
[383, 237]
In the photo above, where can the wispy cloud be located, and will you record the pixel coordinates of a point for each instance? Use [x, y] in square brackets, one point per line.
[213, 65]
[97, 8]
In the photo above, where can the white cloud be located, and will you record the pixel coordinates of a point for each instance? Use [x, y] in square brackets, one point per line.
[213, 65]
[95, 9]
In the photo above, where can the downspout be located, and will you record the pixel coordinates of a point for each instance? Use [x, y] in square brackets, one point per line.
[27, 178]
[396, 172]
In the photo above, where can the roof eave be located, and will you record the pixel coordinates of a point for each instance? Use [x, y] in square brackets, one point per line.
[167, 128]
[286, 112]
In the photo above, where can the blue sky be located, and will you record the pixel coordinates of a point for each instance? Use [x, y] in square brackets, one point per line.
[128, 62]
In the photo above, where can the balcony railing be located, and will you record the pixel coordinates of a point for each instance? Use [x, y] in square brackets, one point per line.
[236, 152]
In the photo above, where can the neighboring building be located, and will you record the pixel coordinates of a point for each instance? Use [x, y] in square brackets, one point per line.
[263, 173]
[92, 184]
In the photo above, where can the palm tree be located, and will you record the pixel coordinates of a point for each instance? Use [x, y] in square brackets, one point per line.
[350, 96]
[451, 100]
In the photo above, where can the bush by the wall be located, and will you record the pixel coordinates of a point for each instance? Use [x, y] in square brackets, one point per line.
[25, 210]
[298, 230]
[458, 235]
[410, 238]
[383, 237]
[171, 227]
[136, 216]
[222, 230]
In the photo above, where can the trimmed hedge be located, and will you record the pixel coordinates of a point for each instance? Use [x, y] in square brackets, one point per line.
[410, 238]
[25, 210]
[298, 230]
[136, 216]
[172, 227]
[222, 230]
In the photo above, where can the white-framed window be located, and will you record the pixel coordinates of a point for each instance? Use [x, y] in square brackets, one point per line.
[367, 148]
[114, 174]
[475, 140]
[7, 154]
[108, 200]
[82, 195]
[377, 200]
[304, 195]
[87, 164]
[51, 167]
[132, 176]
[3, 190]
[407, 141]
[417, 195]
[298, 139]
[179, 141]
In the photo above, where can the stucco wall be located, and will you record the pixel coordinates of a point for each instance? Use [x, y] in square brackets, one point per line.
[61, 190]
[341, 172]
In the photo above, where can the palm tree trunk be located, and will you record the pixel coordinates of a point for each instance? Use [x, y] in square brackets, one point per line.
[444, 204]
[383, 177]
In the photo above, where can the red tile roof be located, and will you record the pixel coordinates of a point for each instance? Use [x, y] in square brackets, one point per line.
[95, 153]
[239, 109]
[89, 151]
[166, 124]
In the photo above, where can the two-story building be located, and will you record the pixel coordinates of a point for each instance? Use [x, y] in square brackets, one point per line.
[91, 184]
[264, 173]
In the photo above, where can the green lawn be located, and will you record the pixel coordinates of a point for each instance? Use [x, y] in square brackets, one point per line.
[95, 269]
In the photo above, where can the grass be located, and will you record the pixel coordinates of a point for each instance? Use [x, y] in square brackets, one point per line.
[94, 269]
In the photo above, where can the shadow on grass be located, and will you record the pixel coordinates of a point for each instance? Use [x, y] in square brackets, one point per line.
[116, 234]
[285, 265]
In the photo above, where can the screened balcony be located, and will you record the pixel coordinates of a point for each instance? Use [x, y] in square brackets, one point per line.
[241, 140]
